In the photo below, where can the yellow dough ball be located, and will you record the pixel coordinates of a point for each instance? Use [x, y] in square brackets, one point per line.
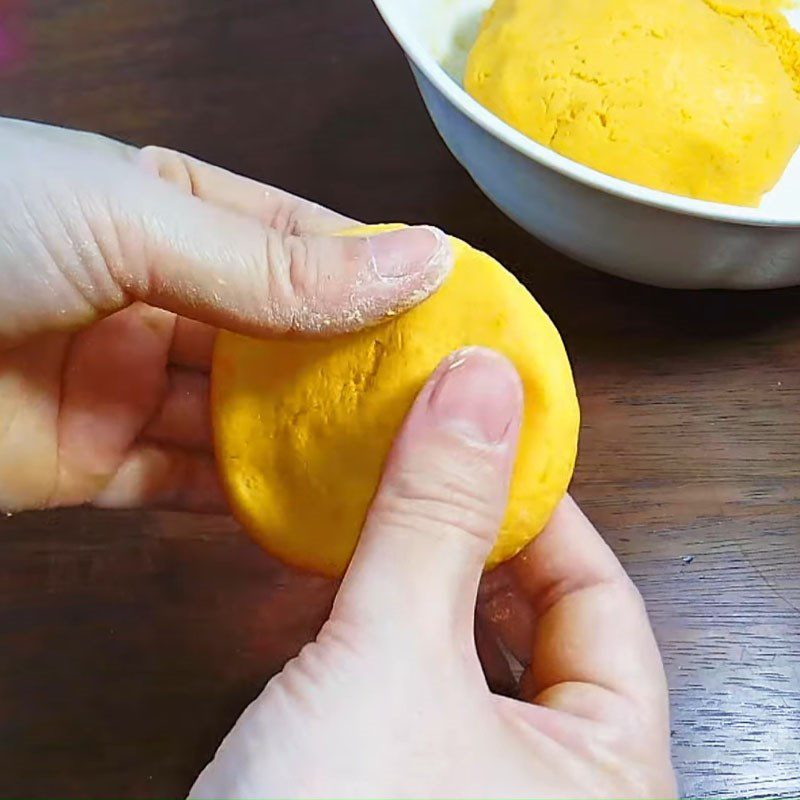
[302, 428]
[694, 97]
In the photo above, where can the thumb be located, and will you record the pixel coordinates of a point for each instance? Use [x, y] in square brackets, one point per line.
[211, 263]
[442, 498]
[95, 227]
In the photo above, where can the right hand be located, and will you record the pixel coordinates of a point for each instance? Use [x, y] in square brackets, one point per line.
[391, 701]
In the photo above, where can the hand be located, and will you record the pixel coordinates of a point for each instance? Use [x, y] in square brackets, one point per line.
[391, 701]
[116, 267]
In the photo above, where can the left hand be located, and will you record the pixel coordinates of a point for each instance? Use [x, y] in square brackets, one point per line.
[117, 266]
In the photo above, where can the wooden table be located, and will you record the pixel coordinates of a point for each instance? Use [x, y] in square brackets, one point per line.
[130, 642]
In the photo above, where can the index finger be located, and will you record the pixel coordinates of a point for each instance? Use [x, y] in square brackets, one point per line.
[592, 630]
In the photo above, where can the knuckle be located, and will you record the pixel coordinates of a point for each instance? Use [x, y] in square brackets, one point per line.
[152, 153]
[303, 264]
[446, 502]
[286, 218]
[170, 166]
[307, 293]
[291, 270]
[294, 266]
[108, 258]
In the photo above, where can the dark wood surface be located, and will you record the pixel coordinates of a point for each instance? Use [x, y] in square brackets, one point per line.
[130, 642]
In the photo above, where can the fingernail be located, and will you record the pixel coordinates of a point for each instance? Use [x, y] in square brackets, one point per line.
[478, 394]
[411, 251]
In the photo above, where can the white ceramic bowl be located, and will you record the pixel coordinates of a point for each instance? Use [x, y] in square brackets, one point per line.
[627, 230]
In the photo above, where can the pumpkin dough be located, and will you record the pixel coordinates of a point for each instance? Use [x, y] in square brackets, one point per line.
[695, 97]
[302, 428]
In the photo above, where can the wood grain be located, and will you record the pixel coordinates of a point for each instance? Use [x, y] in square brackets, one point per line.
[131, 641]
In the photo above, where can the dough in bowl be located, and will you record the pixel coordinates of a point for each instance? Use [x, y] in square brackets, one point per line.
[699, 98]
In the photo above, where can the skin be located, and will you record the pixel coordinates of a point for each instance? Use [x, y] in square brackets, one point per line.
[116, 268]
[388, 704]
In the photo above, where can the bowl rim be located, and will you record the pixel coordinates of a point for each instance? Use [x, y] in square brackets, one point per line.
[492, 124]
